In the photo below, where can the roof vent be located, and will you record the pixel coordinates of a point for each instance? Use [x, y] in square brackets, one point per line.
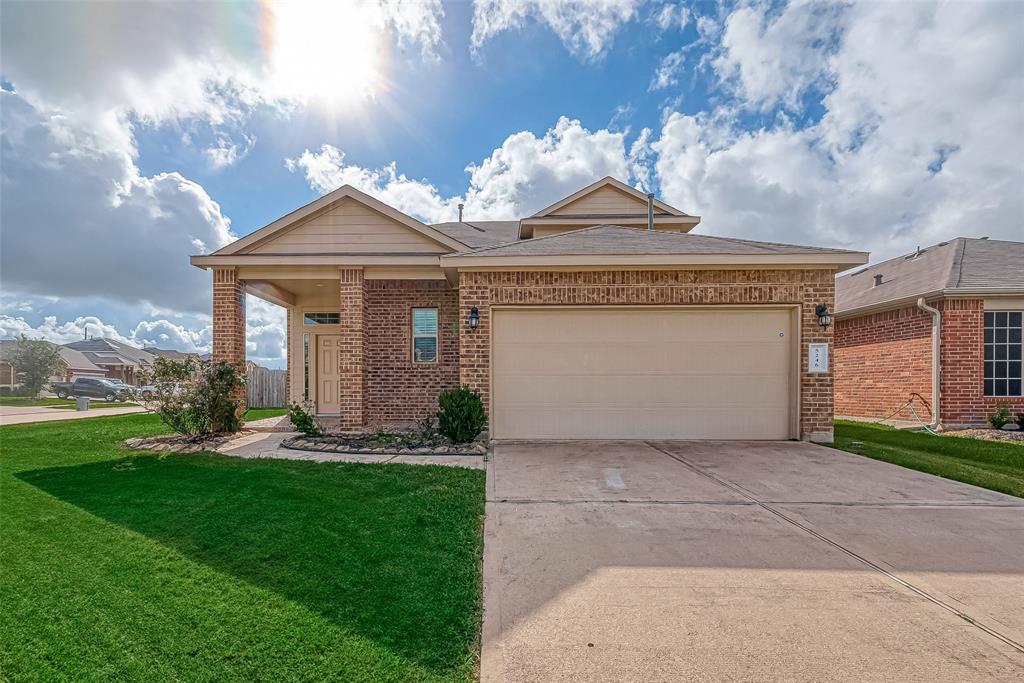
[942, 244]
[878, 279]
[916, 253]
[650, 211]
[862, 270]
[983, 238]
[461, 206]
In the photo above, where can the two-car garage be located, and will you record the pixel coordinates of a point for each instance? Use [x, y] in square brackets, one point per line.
[626, 372]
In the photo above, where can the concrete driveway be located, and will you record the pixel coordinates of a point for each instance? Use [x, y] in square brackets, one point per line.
[701, 561]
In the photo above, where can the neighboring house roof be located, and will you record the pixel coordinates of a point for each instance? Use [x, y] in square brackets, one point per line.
[608, 181]
[76, 360]
[477, 234]
[960, 266]
[171, 354]
[612, 241]
[104, 351]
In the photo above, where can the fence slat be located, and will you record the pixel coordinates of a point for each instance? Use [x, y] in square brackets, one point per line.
[264, 387]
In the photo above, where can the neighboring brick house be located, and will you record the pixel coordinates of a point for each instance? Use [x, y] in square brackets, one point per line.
[73, 364]
[597, 317]
[118, 360]
[884, 338]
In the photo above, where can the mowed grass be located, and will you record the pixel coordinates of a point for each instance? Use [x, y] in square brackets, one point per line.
[994, 465]
[210, 568]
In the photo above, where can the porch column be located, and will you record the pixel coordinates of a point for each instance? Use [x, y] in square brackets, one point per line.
[352, 348]
[229, 321]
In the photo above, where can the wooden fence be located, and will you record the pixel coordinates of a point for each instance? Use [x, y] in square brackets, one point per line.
[264, 388]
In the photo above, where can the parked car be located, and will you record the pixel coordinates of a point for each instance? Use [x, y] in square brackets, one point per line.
[92, 387]
[145, 392]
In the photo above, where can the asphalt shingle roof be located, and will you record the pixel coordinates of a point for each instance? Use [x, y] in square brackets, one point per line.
[613, 240]
[478, 234]
[961, 263]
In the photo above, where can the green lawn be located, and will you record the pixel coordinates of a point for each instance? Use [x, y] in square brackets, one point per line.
[260, 413]
[989, 464]
[210, 568]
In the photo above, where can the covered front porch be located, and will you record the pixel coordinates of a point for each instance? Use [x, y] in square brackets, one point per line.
[367, 346]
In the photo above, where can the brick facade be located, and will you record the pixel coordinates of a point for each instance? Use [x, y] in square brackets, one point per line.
[644, 287]
[352, 347]
[399, 391]
[883, 357]
[229, 321]
[882, 360]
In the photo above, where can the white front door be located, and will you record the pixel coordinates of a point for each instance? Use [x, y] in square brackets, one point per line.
[328, 377]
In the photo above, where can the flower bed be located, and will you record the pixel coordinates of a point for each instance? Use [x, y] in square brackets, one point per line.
[385, 443]
[988, 434]
[179, 443]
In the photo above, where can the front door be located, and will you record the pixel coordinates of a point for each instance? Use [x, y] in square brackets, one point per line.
[328, 392]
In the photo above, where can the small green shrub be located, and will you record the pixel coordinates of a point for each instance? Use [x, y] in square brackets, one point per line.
[302, 418]
[999, 416]
[461, 415]
[194, 397]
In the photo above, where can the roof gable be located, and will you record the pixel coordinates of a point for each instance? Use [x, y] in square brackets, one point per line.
[606, 197]
[345, 218]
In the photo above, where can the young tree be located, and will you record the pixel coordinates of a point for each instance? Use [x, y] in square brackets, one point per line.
[35, 361]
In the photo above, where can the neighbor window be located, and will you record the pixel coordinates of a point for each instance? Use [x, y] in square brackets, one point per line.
[424, 335]
[321, 319]
[1003, 353]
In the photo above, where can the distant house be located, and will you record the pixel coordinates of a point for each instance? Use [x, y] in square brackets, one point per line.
[75, 364]
[964, 297]
[117, 359]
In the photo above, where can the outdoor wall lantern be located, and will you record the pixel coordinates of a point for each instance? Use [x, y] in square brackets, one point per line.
[824, 317]
[474, 318]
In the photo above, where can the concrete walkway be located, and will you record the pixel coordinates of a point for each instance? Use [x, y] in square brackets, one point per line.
[268, 445]
[14, 415]
[702, 561]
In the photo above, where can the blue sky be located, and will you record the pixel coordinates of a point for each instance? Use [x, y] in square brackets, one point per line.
[135, 134]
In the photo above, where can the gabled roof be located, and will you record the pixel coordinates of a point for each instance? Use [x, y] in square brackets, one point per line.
[613, 244]
[315, 207]
[72, 358]
[608, 181]
[102, 350]
[962, 265]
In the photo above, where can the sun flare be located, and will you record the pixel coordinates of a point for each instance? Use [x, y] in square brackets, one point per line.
[327, 53]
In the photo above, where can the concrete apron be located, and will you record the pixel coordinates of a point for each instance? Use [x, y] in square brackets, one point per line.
[612, 561]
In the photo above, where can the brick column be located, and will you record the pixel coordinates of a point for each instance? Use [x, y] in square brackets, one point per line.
[816, 400]
[352, 348]
[475, 345]
[229, 321]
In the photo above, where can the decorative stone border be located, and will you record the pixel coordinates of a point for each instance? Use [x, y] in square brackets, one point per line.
[329, 444]
[178, 443]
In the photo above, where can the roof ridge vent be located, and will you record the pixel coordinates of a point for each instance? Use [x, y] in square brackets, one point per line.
[862, 270]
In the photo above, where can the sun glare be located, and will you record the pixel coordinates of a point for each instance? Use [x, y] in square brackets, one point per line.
[326, 53]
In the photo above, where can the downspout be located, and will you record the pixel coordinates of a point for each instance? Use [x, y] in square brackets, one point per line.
[936, 360]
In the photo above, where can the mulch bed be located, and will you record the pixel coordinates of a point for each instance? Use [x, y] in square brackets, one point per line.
[387, 444]
[179, 443]
[988, 434]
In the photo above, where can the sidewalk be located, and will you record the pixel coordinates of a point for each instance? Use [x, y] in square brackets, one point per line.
[16, 415]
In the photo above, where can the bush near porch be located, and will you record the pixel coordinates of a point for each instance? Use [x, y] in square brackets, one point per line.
[210, 568]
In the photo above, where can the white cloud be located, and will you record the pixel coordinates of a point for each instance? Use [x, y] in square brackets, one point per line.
[919, 142]
[586, 27]
[78, 219]
[672, 16]
[227, 152]
[59, 333]
[771, 59]
[668, 70]
[521, 176]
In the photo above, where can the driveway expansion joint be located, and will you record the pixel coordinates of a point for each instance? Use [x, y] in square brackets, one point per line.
[767, 506]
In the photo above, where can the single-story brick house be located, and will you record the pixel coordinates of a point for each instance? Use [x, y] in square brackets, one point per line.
[965, 298]
[73, 364]
[596, 317]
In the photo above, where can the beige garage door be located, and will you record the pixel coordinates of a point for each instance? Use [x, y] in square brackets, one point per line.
[650, 373]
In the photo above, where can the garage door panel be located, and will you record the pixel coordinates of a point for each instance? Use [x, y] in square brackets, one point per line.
[583, 358]
[635, 372]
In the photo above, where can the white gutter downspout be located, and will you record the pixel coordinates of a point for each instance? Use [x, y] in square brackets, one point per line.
[936, 359]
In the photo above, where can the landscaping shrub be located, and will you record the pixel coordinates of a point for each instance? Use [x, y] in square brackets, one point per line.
[461, 415]
[1020, 420]
[193, 397]
[999, 416]
[302, 419]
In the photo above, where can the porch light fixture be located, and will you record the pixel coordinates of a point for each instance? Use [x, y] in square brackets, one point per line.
[824, 317]
[474, 318]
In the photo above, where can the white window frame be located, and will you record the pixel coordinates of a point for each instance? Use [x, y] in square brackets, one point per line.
[436, 335]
